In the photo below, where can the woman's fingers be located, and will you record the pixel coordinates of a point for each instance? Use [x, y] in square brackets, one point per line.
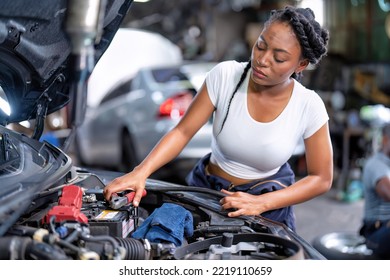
[226, 192]
[239, 203]
[117, 185]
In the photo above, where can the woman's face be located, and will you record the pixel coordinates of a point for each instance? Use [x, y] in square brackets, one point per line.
[276, 55]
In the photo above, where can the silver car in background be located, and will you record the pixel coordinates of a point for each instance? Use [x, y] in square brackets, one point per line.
[134, 115]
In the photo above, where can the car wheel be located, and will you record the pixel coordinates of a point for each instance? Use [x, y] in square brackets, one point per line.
[129, 159]
[342, 246]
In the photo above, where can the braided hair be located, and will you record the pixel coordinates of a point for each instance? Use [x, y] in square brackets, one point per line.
[312, 38]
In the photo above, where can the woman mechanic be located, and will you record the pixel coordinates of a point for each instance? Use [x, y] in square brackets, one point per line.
[261, 112]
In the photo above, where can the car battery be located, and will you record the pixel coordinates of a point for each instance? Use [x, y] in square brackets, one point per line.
[103, 220]
[117, 223]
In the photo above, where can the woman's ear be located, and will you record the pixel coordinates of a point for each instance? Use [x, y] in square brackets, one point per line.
[303, 63]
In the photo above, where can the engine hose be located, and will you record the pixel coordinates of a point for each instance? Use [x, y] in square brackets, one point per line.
[24, 248]
[135, 249]
[117, 252]
[13, 248]
[217, 229]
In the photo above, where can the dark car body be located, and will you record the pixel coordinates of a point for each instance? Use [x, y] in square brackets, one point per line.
[52, 209]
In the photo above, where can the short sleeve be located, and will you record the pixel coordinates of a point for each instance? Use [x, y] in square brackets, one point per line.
[317, 115]
[221, 80]
[376, 170]
[213, 79]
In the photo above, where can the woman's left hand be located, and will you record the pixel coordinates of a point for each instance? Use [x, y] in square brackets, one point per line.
[243, 203]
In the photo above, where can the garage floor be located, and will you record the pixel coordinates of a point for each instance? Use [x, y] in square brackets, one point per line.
[326, 214]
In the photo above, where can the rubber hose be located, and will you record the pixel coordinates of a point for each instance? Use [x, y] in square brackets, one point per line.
[217, 229]
[13, 248]
[135, 249]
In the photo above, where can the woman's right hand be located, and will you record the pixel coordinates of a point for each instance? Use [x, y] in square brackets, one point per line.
[133, 180]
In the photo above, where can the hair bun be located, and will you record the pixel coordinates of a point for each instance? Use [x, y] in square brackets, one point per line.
[309, 14]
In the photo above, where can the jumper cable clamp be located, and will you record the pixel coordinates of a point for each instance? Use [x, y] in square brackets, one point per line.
[119, 200]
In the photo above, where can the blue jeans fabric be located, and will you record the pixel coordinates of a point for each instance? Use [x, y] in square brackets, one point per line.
[284, 177]
[377, 236]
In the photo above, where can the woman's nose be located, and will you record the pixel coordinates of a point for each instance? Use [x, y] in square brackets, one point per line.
[263, 59]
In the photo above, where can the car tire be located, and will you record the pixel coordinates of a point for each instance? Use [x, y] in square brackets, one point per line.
[342, 246]
[129, 158]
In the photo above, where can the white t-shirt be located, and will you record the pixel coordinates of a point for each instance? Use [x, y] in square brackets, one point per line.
[250, 149]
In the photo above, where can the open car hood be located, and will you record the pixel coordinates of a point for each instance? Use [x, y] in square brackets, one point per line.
[35, 49]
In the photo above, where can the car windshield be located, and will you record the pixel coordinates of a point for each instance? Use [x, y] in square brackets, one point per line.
[170, 78]
[168, 75]
[189, 76]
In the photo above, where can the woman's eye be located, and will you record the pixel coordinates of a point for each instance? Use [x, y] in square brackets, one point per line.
[279, 60]
[261, 47]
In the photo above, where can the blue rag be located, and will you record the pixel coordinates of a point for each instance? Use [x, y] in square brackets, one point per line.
[169, 223]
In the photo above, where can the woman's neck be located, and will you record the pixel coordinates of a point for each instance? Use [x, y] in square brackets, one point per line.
[281, 89]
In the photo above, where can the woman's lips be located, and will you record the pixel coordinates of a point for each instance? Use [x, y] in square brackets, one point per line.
[259, 74]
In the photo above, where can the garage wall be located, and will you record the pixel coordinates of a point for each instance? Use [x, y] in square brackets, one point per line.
[357, 29]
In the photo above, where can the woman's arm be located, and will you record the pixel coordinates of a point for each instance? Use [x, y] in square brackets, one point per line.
[319, 160]
[383, 188]
[167, 148]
